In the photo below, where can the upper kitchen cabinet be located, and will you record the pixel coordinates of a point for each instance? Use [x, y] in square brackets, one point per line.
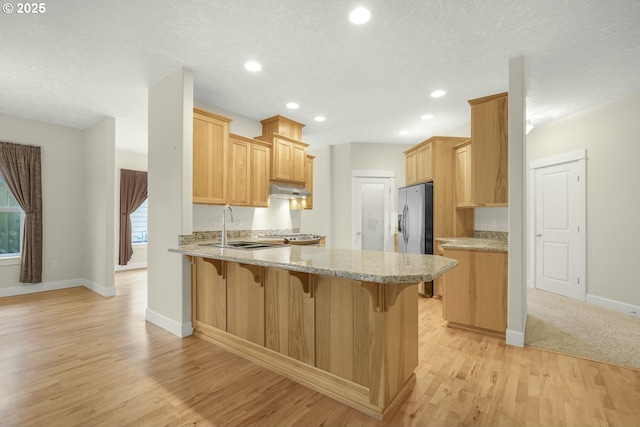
[463, 175]
[210, 151]
[260, 173]
[420, 163]
[489, 156]
[282, 126]
[308, 182]
[289, 160]
[289, 156]
[249, 170]
[433, 161]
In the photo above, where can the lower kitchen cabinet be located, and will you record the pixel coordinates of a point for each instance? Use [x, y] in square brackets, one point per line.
[245, 301]
[290, 314]
[355, 341]
[475, 294]
[209, 294]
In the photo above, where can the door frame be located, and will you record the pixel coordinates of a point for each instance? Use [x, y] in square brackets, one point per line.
[579, 156]
[393, 202]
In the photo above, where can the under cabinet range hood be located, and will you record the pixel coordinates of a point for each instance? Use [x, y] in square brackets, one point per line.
[287, 191]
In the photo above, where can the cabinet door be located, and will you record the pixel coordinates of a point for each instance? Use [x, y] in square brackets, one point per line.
[282, 160]
[411, 177]
[299, 163]
[308, 182]
[209, 295]
[463, 176]
[424, 163]
[260, 173]
[290, 314]
[210, 139]
[245, 302]
[239, 191]
[476, 290]
[489, 161]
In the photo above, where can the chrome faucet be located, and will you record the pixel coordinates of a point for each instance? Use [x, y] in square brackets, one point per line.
[224, 224]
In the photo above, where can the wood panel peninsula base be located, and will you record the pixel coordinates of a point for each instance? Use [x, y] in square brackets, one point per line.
[344, 323]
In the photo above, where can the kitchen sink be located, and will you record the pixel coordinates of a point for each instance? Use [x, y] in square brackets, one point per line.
[243, 245]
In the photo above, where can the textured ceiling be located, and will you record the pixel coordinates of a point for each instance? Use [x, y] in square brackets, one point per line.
[83, 60]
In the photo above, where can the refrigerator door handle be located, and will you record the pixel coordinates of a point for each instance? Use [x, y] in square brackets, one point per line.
[406, 230]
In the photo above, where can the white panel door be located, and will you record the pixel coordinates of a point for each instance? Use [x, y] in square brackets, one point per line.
[372, 213]
[557, 230]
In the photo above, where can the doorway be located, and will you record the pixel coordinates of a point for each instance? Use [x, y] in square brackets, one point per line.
[371, 210]
[558, 224]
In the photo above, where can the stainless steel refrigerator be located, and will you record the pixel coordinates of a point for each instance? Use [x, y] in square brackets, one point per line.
[415, 224]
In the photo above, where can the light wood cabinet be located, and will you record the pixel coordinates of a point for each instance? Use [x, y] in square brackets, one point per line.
[411, 164]
[248, 176]
[245, 301]
[289, 160]
[420, 163]
[308, 181]
[209, 294]
[463, 175]
[282, 126]
[289, 153]
[260, 173]
[424, 162]
[433, 161]
[290, 314]
[489, 157]
[475, 296]
[239, 175]
[210, 151]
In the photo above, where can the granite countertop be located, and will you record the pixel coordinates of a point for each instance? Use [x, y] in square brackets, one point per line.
[370, 266]
[473, 244]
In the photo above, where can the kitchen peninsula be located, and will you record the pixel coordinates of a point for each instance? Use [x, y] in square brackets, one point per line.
[342, 322]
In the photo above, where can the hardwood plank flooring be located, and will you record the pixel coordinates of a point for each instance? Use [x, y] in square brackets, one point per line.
[74, 358]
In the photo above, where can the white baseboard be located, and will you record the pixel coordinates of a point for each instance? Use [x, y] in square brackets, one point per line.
[620, 307]
[99, 289]
[33, 288]
[516, 338]
[180, 329]
[131, 266]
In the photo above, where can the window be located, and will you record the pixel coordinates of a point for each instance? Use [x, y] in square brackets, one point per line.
[139, 224]
[11, 223]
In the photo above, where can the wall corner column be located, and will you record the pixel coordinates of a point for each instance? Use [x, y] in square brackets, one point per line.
[170, 208]
[517, 296]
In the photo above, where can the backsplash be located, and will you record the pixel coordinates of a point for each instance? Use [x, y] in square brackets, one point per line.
[189, 239]
[502, 236]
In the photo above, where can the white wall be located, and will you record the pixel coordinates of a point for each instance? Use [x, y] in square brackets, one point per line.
[276, 216]
[99, 183]
[170, 193]
[609, 133]
[132, 161]
[72, 192]
[333, 165]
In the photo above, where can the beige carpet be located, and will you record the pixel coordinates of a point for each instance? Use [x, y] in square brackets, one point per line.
[565, 325]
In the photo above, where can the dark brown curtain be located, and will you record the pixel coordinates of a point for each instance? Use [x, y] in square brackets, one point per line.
[133, 192]
[21, 170]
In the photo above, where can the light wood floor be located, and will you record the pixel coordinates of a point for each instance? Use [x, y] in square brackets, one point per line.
[74, 358]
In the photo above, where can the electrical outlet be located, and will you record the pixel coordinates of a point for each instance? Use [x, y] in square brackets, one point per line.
[54, 263]
[239, 222]
[494, 222]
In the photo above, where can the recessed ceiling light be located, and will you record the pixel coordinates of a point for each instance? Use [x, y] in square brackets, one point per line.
[359, 15]
[427, 117]
[320, 119]
[438, 93]
[292, 105]
[253, 66]
[404, 132]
